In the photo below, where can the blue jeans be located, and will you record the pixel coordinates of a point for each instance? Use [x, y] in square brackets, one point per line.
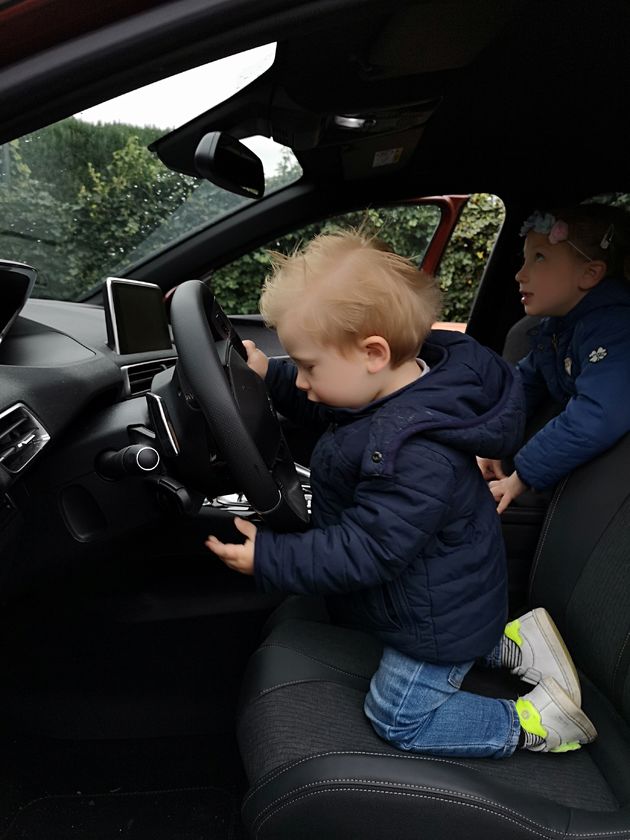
[418, 707]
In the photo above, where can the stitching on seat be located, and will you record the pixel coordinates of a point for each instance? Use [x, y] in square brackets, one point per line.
[452, 802]
[313, 659]
[285, 685]
[450, 792]
[397, 756]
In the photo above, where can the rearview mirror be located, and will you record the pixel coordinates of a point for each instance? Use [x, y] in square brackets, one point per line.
[229, 164]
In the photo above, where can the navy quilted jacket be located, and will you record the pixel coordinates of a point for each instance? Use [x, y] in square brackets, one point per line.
[405, 539]
[583, 361]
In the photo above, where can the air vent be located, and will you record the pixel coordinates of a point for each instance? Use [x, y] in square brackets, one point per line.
[21, 437]
[138, 378]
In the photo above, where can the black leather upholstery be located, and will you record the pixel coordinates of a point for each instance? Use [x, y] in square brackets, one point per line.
[317, 769]
[522, 521]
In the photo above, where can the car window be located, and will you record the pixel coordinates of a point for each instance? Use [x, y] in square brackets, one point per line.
[84, 198]
[407, 228]
[465, 257]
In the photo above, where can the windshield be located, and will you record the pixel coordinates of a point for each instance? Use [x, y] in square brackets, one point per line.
[85, 199]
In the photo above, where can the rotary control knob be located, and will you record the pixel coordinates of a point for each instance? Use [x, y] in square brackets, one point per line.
[137, 459]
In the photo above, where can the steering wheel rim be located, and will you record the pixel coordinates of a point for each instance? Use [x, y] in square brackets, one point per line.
[236, 407]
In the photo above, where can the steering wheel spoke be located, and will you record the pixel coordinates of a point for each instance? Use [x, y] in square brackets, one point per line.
[243, 426]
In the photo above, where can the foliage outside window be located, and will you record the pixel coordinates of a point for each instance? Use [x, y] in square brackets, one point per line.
[467, 253]
[407, 228]
[80, 201]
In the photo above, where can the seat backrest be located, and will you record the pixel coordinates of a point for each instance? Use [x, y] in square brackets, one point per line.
[517, 343]
[581, 570]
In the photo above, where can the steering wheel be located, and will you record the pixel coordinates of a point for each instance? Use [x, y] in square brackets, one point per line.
[214, 378]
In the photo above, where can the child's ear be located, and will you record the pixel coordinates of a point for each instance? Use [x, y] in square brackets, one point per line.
[593, 272]
[377, 353]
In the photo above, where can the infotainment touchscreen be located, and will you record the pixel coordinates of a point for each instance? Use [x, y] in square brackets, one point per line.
[136, 316]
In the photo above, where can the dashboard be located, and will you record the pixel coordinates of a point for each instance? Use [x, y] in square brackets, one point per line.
[55, 360]
[67, 397]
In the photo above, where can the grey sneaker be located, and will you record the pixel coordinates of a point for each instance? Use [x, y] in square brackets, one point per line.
[543, 652]
[552, 720]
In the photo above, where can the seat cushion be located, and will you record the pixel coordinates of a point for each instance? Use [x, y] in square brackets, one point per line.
[317, 769]
[312, 757]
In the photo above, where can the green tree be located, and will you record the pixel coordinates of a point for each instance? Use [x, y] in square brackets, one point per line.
[467, 253]
[80, 200]
[33, 223]
[61, 155]
[408, 230]
[120, 207]
[76, 199]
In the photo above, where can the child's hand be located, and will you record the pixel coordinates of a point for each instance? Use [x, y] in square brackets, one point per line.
[490, 469]
[256, 359]
[236, 556]
[506, 490]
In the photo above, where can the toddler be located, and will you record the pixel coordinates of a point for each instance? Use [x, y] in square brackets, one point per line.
[405, 542]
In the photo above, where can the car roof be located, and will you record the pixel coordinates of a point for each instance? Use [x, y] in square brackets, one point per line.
[498, 95]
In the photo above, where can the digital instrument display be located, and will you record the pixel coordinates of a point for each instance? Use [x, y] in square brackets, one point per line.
[16, 283]
[136, 316]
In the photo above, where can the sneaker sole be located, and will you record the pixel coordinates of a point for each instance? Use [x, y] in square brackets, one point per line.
[572, 712]
[563, 659]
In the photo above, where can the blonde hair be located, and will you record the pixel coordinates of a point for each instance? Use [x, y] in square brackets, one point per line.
[346, 286]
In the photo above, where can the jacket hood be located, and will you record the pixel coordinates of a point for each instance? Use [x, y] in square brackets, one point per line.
[471, 399]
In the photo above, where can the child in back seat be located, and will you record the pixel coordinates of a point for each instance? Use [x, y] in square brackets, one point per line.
[574, 273]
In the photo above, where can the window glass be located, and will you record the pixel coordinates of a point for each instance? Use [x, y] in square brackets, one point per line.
[84, 198]
[467, 253]
[408, 229]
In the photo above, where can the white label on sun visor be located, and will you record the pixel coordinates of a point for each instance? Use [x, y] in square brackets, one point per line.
[387, 156]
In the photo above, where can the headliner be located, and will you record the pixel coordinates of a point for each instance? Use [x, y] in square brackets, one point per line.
[499, 92]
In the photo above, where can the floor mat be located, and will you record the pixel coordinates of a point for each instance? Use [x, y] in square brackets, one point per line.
[193, 814]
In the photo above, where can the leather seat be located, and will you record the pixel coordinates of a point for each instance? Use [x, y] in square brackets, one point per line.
[317, 770]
